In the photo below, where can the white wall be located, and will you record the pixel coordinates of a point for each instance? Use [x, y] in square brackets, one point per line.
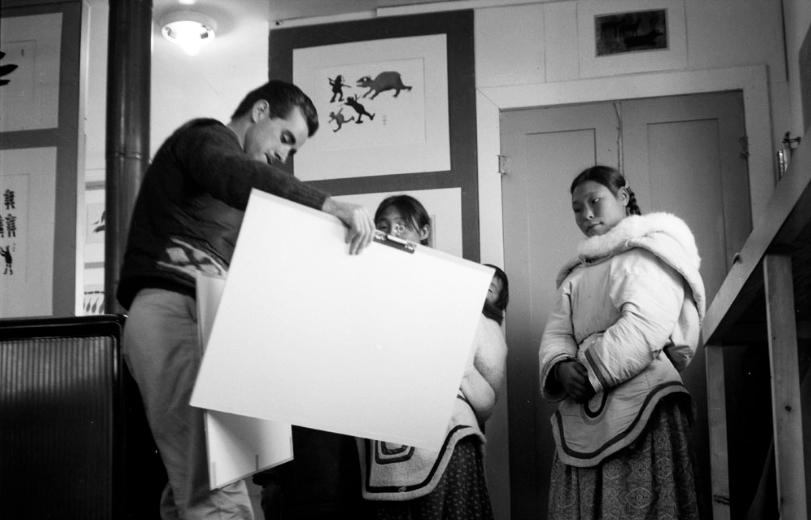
[527, 46]
[529, 55]
[534, 55]
[212, 83]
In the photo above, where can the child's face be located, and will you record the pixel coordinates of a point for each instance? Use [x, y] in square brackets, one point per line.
[596, 209]
[393, 223]
[495, 290]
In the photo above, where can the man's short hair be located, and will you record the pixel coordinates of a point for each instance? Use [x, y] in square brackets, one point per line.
[282, 97]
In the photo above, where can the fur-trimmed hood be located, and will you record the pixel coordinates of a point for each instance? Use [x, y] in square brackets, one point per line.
[663, 234]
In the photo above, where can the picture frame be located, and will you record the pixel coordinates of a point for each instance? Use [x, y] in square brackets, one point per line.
[29, 100]
[378, 42]
[620, 38]
[40, 111]
[631, 32]
[387, 102]
[94, 225]
[28, 184]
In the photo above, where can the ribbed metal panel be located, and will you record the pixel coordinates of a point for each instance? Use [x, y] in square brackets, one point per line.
[56, 427]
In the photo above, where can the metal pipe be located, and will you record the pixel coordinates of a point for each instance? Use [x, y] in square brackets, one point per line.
[127, 143]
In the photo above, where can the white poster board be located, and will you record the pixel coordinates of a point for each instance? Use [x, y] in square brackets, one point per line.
[371, 345]
[237, 446]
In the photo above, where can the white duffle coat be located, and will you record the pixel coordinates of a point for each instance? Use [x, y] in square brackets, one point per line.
[629, 308]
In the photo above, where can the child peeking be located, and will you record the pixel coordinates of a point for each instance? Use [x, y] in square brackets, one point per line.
[405, 482]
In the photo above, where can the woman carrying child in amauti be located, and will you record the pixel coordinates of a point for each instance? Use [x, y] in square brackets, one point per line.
[625, 324]
[404, 482]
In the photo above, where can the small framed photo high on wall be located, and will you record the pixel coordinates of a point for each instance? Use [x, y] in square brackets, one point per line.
[631, 32]
[617, 37]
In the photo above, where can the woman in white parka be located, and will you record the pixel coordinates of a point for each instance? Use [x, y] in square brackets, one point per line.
[625, 324]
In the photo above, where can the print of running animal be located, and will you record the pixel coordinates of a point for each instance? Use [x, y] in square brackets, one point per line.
[384, 81]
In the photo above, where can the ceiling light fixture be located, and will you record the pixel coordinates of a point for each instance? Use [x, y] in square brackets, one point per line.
[188, 29]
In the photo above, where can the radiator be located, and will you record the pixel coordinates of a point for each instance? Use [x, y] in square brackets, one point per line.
[73, 436]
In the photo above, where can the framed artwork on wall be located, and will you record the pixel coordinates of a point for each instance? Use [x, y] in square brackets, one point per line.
[387, 102]
[29, 93]
[40, 47]
[28, 179]
[631, 32]
[396, 99]
[617, 37]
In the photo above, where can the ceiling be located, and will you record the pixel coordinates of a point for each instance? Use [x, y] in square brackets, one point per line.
[279, 11]
[241, 25]
[292, 9]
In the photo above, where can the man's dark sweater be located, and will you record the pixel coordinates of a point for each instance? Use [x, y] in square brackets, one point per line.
[190, 207]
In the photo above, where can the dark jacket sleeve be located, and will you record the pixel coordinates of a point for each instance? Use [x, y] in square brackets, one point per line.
[211, 154]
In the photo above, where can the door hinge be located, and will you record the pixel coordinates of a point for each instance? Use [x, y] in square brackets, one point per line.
[743, 142]
[502, 164]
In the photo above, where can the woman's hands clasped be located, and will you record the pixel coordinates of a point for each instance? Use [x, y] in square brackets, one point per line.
[575, 380]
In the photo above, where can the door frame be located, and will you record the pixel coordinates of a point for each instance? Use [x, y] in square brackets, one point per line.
[491, 101]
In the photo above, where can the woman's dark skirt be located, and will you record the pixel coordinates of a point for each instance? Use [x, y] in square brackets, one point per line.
[650, 479]
[461, 493]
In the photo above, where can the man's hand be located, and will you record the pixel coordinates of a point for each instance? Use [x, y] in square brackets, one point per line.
[575, 380]
[360, 226]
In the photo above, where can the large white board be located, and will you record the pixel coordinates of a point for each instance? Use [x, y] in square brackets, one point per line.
[371, 345]
[238, 446]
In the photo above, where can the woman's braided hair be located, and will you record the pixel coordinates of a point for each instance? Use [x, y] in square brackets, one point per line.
[612, 179]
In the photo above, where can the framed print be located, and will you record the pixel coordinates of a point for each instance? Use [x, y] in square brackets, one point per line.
[414, 79]
[29, 98]
[620, 38]
[387, 102]
[27, 216]
[40, 47]
[631, 32]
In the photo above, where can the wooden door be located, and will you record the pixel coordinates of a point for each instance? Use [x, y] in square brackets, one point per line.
[543, 148]
[680, 155]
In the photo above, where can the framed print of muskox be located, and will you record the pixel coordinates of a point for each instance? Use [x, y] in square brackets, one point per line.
[382, 88]
[396, 98]
[383, 105]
